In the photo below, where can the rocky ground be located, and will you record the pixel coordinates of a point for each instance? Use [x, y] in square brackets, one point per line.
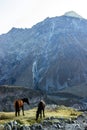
[51, 123]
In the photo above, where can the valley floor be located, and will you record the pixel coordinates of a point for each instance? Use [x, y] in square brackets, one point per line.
[50, 111]
[56, 118]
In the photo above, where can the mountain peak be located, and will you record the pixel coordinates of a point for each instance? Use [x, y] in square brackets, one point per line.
[72, 14]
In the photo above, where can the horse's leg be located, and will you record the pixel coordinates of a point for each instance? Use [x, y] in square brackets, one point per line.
[43, 113]
[23, 110]
[37, 115]
[15, 112]
[16, 108]
[18, 112]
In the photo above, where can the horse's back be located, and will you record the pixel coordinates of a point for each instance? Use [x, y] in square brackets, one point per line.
[41, 104]
[18, 102]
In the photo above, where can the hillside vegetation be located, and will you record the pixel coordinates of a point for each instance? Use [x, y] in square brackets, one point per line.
[50, 111]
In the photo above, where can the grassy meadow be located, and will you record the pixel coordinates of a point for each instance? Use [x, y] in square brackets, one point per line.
[29, 118]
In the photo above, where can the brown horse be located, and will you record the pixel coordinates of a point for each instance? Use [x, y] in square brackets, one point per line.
[40, 109]
[20, 104]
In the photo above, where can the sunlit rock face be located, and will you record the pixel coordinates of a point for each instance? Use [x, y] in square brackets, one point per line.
[50, 56]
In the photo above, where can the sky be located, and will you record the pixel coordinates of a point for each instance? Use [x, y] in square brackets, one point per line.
[26, 13]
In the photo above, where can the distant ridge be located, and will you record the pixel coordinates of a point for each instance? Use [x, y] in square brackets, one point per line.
[72, 14]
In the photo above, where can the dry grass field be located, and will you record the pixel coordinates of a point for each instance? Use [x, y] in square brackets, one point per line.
[29, 118]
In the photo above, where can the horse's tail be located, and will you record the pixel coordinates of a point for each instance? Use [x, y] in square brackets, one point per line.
[16, 106]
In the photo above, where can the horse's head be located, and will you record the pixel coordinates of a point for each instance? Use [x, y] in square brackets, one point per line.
[26, 100]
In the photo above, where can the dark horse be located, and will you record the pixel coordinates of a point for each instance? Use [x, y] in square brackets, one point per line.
[20, 104]
[40, 109]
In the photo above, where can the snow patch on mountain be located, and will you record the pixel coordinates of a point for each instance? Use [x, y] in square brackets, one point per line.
[72, 14]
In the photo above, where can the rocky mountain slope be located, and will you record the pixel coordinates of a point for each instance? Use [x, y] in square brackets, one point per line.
[50, 56]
